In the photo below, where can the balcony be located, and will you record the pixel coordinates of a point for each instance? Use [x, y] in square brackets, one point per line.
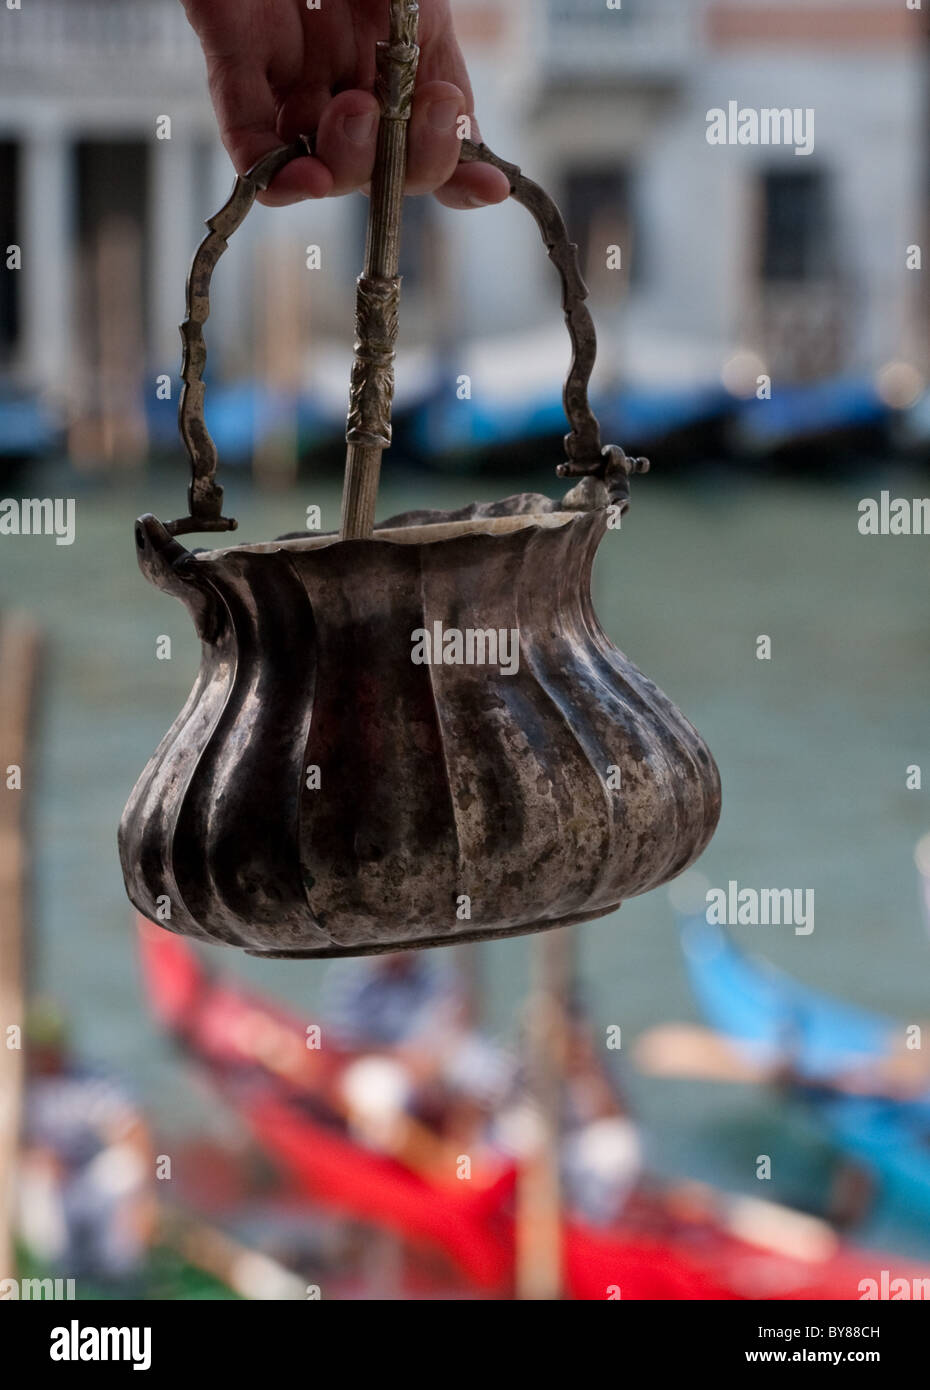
[66, 46]
[801, 329]
[650, 39]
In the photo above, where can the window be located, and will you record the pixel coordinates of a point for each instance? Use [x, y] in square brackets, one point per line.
[796, 230]
[112, 212]
[598, 212]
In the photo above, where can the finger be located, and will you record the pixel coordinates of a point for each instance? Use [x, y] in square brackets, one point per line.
[346, 139]
[474, 186]
[433, 145]
[247, 117]
[297, 181]
[468, 185]
[441, 58]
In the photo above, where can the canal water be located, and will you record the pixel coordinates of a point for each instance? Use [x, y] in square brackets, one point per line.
[813, 747]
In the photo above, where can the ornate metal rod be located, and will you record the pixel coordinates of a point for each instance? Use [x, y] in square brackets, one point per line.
[368, 427]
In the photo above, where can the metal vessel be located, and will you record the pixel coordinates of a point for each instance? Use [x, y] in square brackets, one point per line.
[415, 733]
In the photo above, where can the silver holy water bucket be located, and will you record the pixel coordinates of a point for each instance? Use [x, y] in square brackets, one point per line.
[334, 784]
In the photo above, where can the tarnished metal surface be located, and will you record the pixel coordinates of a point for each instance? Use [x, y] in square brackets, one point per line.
[437, 784]
[371, 391]
[368, 427]
[585, 454]
[372, 383]
[205, 496]
[323, 793]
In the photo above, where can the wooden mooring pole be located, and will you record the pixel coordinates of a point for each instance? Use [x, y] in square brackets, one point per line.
[19, 658]
[540, 1244]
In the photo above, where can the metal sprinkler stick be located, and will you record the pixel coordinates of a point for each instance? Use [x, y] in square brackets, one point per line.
[368, 426]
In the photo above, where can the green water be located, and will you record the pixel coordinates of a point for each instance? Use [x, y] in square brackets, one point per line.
[812, 747]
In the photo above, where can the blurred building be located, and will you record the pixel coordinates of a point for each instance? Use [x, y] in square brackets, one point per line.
[724, 249]
[800, 260]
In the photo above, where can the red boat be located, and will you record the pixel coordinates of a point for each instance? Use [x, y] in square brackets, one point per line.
[681, 1243]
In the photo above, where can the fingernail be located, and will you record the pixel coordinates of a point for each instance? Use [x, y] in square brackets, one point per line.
[474, 201]
[360, 129]
[442, 115]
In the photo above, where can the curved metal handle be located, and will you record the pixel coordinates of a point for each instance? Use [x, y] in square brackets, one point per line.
[205, 496]
[585, 454]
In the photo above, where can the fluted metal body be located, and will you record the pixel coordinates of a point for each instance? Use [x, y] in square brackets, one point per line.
[451, 802]
[325, 791]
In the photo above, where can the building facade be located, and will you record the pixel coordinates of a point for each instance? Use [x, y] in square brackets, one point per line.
[696, 252]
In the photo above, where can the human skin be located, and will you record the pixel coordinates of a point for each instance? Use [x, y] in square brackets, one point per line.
[277, 70]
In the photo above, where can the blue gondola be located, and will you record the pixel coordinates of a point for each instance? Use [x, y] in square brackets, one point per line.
[815, 1040]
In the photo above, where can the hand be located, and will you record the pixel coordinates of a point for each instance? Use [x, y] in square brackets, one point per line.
[278, 70]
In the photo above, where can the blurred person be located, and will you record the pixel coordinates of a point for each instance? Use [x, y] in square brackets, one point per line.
[423, 1079]
[85, 1202]
[426, 1085]
[278, 69]
[390, 1001]
[395, 1013]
